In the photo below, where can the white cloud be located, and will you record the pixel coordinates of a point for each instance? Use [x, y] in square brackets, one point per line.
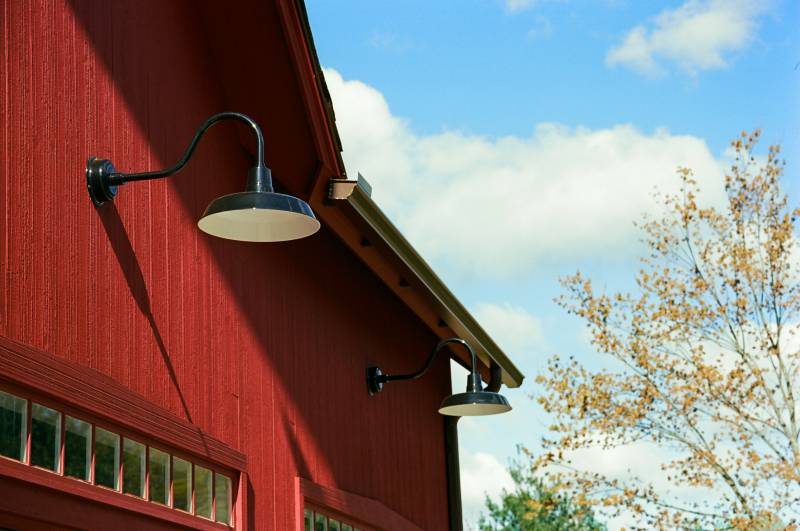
[515, 6]
[698, 35]
[641, 460]
[481, 475]
[514, 329]
[502, 206]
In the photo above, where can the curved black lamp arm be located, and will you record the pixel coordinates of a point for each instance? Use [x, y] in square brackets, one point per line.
[103, 179]
[376, 379]
[121, 178]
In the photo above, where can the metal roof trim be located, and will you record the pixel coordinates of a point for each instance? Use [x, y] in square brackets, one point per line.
[453, 313]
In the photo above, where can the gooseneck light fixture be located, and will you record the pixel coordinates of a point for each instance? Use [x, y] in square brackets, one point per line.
[473, 402]
[258, 214]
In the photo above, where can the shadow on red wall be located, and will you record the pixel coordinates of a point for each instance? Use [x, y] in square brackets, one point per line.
[263, 346]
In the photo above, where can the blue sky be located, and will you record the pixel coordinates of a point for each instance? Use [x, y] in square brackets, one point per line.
[480, 67]
[517, 141]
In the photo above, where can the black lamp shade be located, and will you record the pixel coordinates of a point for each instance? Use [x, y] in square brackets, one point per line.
[473, 404]
[259, 217]
[256, 215]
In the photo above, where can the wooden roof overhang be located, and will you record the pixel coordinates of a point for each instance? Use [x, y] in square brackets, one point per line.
[307, 160]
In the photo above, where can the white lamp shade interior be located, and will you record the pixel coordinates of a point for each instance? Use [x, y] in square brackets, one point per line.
[258, 225]
[474, 404]
[259, 217]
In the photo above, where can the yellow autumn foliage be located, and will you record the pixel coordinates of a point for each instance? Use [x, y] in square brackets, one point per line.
[708, 357]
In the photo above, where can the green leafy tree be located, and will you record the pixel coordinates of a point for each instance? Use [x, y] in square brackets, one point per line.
[534, 506]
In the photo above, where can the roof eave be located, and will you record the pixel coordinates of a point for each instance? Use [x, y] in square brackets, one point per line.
[356, 218]
[447, 306]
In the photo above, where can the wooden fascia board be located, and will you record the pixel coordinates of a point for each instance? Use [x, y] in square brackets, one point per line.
[363, 227]
[444, 304]
[294, 21]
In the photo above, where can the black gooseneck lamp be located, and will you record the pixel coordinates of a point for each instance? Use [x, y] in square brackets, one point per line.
[473, 402]
[258, 214]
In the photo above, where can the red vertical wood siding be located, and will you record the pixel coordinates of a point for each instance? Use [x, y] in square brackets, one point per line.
[263, 346]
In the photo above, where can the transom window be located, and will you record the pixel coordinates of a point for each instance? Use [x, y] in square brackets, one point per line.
[316, 520]
[49, 439]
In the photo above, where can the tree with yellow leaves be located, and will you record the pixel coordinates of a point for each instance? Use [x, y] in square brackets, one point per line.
[706, 355]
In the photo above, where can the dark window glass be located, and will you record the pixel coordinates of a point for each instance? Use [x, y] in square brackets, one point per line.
[133, 467]
[308, 520]
[182, 484]
[77, 448]
[13, 426]
[202, 491]
[222, 497]
[159, 477]
[321, 523]
[333, 525]
[45, 437]
[172, 481]
[106, 458]
[347, 527]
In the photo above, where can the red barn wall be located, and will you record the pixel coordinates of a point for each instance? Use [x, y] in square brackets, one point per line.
[263, 346]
